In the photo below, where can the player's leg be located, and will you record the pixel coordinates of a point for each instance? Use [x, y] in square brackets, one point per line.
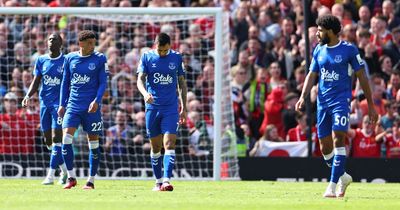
[169, 160]
[45, 125]
[156, 138]
[56, 137]
[92, 123]
[169, 127]
[340, 124]
[156, 160]
[70, 124]
[49, 180]
[94, 160]
[324, 126]
[338, 174]
[57, 151]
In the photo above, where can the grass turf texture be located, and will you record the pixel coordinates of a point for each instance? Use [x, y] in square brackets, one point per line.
[124, 194]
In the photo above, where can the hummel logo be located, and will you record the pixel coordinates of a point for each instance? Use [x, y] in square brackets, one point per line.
[64, 152]
[153, 65]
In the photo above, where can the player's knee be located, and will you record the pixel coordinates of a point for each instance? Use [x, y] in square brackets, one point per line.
[56, 138]
[326, 150]
[169, 145]
[156, 148]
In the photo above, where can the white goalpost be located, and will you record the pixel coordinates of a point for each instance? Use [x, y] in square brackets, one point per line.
[206, 148]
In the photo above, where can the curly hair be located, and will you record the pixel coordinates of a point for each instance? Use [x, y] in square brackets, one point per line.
[330, 22]
[163, 39]
[86, 34]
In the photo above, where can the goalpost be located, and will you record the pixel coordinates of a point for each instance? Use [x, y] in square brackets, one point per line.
[207, 149]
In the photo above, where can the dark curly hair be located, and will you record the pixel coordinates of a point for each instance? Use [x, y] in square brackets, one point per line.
[330, 22]
[86, 34]
[163, 39]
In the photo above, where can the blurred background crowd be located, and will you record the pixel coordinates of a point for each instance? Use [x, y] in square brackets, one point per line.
[268, 69]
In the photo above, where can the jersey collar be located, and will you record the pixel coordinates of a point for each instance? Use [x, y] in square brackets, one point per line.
[340, 41]
[61, 54]
[155, 51]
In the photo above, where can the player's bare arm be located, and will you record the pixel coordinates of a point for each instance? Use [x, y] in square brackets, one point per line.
[182, 95]
[34, 86]
[148, 98]
[308, 84]
[373, 115]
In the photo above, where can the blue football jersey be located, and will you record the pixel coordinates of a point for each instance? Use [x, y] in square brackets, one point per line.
[50, 69]
[162, 77]
[335, 65]
[84, 80]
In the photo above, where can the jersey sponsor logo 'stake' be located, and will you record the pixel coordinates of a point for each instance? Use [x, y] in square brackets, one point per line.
[162, 79]
[51, 81]
[80, 79]
[329, 76]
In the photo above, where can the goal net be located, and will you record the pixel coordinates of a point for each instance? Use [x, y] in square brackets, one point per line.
[206, 146]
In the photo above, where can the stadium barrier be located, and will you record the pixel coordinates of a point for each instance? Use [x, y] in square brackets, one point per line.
[375, 170]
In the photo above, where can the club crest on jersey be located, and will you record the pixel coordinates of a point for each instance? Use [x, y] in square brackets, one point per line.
[92, 66]
[338, 58]
[73, 65]
[59, 69]
[172, 66]
[153, 65]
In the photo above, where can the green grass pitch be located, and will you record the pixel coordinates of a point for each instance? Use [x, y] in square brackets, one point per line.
[229, 195]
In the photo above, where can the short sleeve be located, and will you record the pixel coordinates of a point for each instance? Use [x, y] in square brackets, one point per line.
[314, 67]
[37, 70]
[356, 61]
[181, 68]
[142, 66]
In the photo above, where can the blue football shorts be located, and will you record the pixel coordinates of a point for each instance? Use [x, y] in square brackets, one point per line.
[92, 123]
[49, 118]
[161, 121]
[335, 118]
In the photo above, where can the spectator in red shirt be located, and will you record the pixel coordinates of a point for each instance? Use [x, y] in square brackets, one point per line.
[364, 143]
[391, 138]
[15, 137]
[299, 132]
[380, 35]
[273, 109]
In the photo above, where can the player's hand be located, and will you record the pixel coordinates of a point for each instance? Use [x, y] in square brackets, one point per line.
[373, 116]
[300, 105]
[25, 102]
[93, 107]
[182, 117]
[148, 98]
[61, 111]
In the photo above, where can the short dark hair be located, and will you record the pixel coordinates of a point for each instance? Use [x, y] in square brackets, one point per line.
[163, 39]
[330, 22]
[86, 34]
[57, 35]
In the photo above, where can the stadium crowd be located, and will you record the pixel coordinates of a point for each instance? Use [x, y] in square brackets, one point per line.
[267, 72]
